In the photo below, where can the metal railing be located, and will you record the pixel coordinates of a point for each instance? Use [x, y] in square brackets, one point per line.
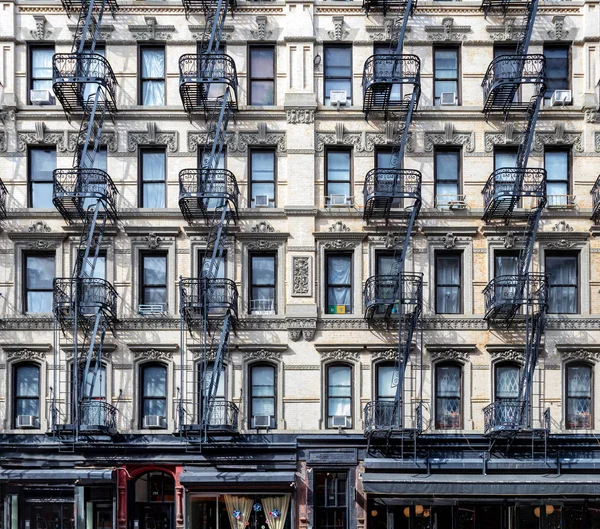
[392, 183]
[262, 306]
[502, 185]
[83, 68]
[215, 296]
[208, 68]
[504, 416]
[505, 294]
[382, 415]
[561, 201]
[3, 197]
[405, 290]
[98, 416]
[211, 187]
[391, 69]
[456, 201]
[596, 200]
[94, 296]
[222, 416]
[514, 69]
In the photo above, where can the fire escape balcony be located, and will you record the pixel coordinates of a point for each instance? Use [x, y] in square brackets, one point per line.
[389, 417]
[389, 82]
[386, 5]
[76, 192]
[510, 188]
[203, 190]
[391, 193]
[393, 295]
[203, 79]
[96, 417]
[204, 6]
[505, 76]
[74, 76]
[3, 197]
[222, 417]
[596, 200]
[211, 297]
[505, 295]
[509, 417]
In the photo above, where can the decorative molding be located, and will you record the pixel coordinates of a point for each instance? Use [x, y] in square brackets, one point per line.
[261, 33]
[198, 32]
[262, 227]
[507, 31]
[558, 32]
[300, 115]
[506, 355]
[301, 328]
[508, 137]
[301, 276]
[389, 240]
[238, 142]
[449, 354]
[597, 141]
[339, 227]
[39, 227]
[560, 136]
[153, 354]
[152, 136]
[26, 354]
[447, 31]
[388, 354]
[151, 30]
[591, 116]
[152, 240]
[40, 32]
[339, 244]
[339, 355]
[105, 32]
[581, 354]
[263, 245]
[3, 142]
[449, 240]
[262, 354]
[449, 137]
[363, 143]
[42, 244]
[338, 33]
[383, 33]
[65, 141]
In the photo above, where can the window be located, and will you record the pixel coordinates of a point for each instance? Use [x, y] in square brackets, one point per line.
[561, 269]
[40, 74]
[385, 69]
[505, 157]
[152, 89]
[154, 395]
[338, 71]
[339, 283]
[41, 164]
[506, 263]
[383, 158]
[387, 382]
[262, 75]
[446, 166]
[26, 393]
[262, 178]
[386, 264]
[339, 179]
[445, 73]
[579, 396]
[39, 275]
[447, 397]
[556, 163]
[339, 395]
[506, 382]
[153, 178]
[262, 395]
[153, 289]
[448, 283]
[331, 499]
[262, 283]
[218, 414]
[557, 69]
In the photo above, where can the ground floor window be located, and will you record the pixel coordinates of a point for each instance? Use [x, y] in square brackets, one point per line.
[44, 509]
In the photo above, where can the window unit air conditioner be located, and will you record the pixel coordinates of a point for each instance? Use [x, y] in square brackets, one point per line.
[457, 204]
[560, 97]
[339, 200]
[41, 97]
[262, 421]
[152, 309]
[154, 421]
[340, 421]
[448, 99]
[337, 98]
[26, 421]
[261, 200]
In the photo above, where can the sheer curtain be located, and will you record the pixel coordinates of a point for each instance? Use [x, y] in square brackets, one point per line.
[448, 278]
[40, 275]
[153, 164]
[340, 391]
[279, 503]
[238, 503]
[339, 272]
[562, 273]
[153, 73]
[579, 396]
[41, 65]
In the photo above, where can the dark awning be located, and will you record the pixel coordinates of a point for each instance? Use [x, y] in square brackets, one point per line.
[480, 485]
[215, 477]
[55, 475]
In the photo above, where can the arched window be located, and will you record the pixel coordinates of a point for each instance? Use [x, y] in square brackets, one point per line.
[262, 396]
[339, 396]
[26, 396]
[579, 396]
[506, 382]
[448, 396]
[386, 382]
[153, 393]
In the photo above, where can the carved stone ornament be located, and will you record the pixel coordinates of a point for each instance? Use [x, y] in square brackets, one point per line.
[41, 244]
[40, 32]
[508, 137]
[211, 355]
[363, 143]
[597, 141]
[450, 354]
[507, 355]
[300, 115]
[302, 328]
[560, 244]
[339, 355]
[151, 30]
[153, 354]
[558, 32]
[339, 244]
[152, 240]
[581, 354]
[262, 354]
[509, 240]
[301, 276]
[261, 33]
[339, 227]
[560, 136]
[295, 334]
[65, 141]
[198, 32]
[152, 136]
[238, 143]
[338, 33]
[309, 334]
[263, 245]
[262, 227]
[507, 31]
[449, 137]
[39, 227]
[447, 31]
[562, 227]
[389, 355]
[104, 34]
[449, 240]
[3, 143]
[385, 32]
[25, 354]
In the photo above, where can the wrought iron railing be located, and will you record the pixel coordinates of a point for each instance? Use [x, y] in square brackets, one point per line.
[97, 415]
[382, 415]
[507, 293]
[506, 415]
[208, 68]
[596, 200]
[392, 183]
[75, 190]
[508, 182]
[561, 201]
[211, 187]
[405, 290]
[391, 68]
[385, 5]
[84, 68]
[223, 415]
[94, 296]
[514, 69]
[3, 197]
[215, 297]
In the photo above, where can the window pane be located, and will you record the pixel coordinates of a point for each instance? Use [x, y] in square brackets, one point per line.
[153, 63]
[154, 196]
[98, 391]
[155, 270]
[338, 61]
[562, 278]
[505, 159]
[40, 272]
[153, 166]
[263, 270]
[507, 382]
[263, 166]
[387, 380]
[155, 381]
[338, 166]
[41, 164]
[339, 378]
[261, 62]
[41, 63]
[263, 381]
[446, 64]
[447, 284]
[262, 93]
[557, 69]
[448, 381]
[27, 383]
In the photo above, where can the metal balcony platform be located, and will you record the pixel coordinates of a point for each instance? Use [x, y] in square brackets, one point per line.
[95, 418]
[202, 81]
[509, 418]
[389, 295]
[73, 73]
[389, 81]
[203, 6]
[201, 191]
[211, 297]
[504, 78]
[77, 190]
[391, 193]
[596, 200]
[387, 419]
[508, 189]
[386, 5]
[505, 295]
[223, 418]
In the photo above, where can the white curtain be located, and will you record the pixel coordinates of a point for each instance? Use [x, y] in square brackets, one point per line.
[562, 273]
[339, 271]
[448, 278]
[41, 66]
[238, 503]
[340, 391]
[276, 503]
[153, 72]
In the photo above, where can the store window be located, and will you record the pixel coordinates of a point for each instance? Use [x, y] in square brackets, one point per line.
[154, 501]
[331, 500]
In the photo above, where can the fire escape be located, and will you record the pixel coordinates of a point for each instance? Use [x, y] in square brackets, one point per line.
[85, 304]
[391, 90]
[516, 196]
[208, 302]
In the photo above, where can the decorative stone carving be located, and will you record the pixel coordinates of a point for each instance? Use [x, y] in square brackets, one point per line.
[261, 33]
[238, 142]
[152, 136]
[385, 32]
[262, 354]
[507, 355]
[562, 227]
[39, 227]
[560, 244]
[263, 227]
[41, 244]
[339, 244]
[301, 276]
[597, 141]
[389, 355]
[449, 137]
[3, 143]
[198, 32]
[25, 354]
[151, 30]
[152, 240]
[211, 354]
[263, 245]
[581, 354]
[339, 354]
[295, 334]
[339, 227]
[301, 328]
[559, 137]
[447, 31]
[104, 34]
[338, 33]
[153, 354]
[450, 354]
[509, 240]
[449, 240]
[363, 143]
[508, 137]
[508, 31]
[40, 32]
[300, 115]
[309, 334]
[558, 32]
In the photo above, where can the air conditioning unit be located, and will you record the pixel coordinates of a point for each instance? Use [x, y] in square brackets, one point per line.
[41, 97]
[448, 99]
[261, 200]
[340, 421]
[560, 97]
[154, 421]
[26, 421]
[338, 200]
[337, 97]
[152, 309]
[457, 204]
[262, 421]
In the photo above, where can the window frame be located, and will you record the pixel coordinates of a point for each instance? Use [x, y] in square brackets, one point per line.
[30, 77]
[569, 179]
[560, 253]
[459, 255]
[143, 398]
[350, 181]
[349, 97]
[252, 78]
[457, 49]
[459, 175]
[378, 396]
[141, 78]
[335, 253]
[568, 366]
[16, 398]
[30, 182]
[251, 285]
[328, 396]
[497, 365]
[460, 397]
[142, 182]
[569, 78]
[326, 508]
[26, 255]
[251, 180]
[251, 414]
[142, 285]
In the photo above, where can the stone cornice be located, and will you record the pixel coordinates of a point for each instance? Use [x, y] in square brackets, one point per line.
[246, 348]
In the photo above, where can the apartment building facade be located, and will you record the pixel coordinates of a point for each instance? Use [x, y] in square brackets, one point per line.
[303, 428]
